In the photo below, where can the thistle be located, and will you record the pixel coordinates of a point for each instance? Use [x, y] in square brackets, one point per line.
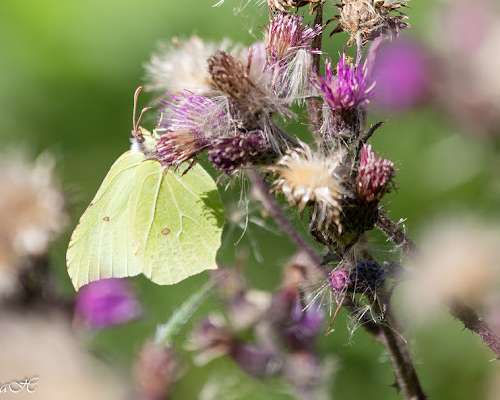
[364, 20]
[187, 123]
[181, 65]
[106, 303]
[308, 178]
[346, 88]
[233, 152]
[284, 5]
[374, 175]
[289, 54]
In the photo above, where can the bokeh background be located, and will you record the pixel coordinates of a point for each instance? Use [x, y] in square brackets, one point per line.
[67, 73]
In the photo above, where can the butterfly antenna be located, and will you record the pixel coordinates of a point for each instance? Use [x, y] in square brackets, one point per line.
[136, 133]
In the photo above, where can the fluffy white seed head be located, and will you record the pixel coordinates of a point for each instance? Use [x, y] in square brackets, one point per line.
[308, 178]
[182, 65]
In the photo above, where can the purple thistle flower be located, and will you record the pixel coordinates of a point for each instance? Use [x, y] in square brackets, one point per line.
[186, 124]
[173, 148]
[230, 153]
[107, 302]
[254, 360]
[286, 34]
[401, 70]
[348, 88]
[304, 326]
[374, 175]
[191, 112]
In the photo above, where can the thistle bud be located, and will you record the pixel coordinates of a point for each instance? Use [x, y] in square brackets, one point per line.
[155, 371]
[339, 280]
[230, 153]
[374, 175]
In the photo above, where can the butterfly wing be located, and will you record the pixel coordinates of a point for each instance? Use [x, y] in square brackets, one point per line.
[145, 219]
[100, 246]
[182, 228]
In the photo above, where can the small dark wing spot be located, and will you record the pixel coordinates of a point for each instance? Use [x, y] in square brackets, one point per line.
[106, 219]
[165, 231]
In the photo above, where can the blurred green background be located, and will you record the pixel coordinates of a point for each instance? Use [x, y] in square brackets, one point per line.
[67, 73]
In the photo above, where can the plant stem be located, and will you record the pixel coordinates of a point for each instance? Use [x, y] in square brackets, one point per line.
[406, 375]
[314, 104]
[395, 232]
[261, 192]
[471, 321]
[403, 367]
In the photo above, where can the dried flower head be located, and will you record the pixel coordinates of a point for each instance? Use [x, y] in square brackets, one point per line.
[254, 101]
[107, 302]
[182, 65]
[374, 175]
[308, 178]
[288, 48]
[231, 153]
[284, 5]
[367, 19]
[346, 89]
[31, 209]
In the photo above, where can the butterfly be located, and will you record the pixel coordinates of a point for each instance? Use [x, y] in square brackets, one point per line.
[145, 218]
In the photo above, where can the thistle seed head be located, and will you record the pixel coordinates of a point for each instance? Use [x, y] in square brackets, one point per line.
[284, 5]
[367, 19]
[308, 178]
[181, 65]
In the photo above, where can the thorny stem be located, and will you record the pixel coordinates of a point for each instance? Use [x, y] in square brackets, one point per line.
[314, 104]
[406, 375]
[405, 372]
[396, 233]
[474, 323]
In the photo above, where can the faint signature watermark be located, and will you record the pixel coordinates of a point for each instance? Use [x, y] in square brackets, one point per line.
[27, 385]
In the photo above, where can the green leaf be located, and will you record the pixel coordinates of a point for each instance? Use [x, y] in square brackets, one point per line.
[150, 220]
